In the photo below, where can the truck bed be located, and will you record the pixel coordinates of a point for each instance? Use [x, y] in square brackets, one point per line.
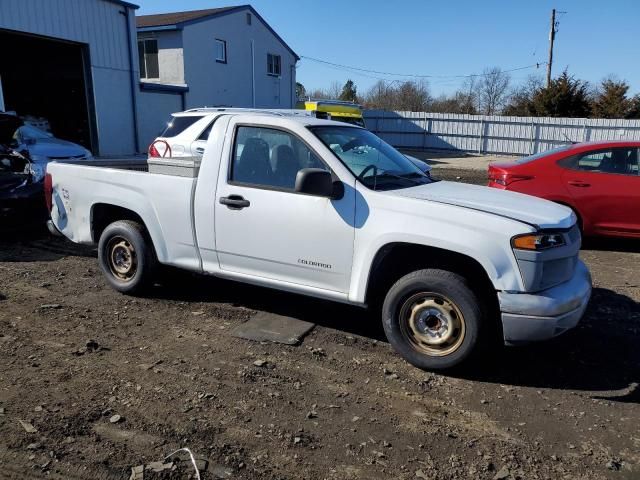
[187, 167]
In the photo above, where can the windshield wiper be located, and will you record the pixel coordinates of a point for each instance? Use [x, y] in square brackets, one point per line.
[385, 173]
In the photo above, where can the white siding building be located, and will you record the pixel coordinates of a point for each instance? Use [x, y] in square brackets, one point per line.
[218, 57]
[74, 63]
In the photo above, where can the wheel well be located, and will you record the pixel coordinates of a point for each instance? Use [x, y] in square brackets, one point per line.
[102, 215]
[395, 260]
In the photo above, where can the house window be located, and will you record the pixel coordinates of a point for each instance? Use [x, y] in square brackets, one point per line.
[221, 51]
[273, 64]
[248, 19]
[148, 57]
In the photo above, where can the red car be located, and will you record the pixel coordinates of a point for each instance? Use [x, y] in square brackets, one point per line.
[600, 181]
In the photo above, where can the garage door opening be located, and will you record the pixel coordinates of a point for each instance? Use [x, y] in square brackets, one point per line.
[45, 81]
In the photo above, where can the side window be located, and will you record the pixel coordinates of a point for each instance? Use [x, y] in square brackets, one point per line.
[207, 131]
[273, 64]
[270, 158]
[622, 161]
[221, 51]
[177, 125]
[148, 58]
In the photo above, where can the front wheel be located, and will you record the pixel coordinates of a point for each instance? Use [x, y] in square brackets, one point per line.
[433, 319]
[126, 257]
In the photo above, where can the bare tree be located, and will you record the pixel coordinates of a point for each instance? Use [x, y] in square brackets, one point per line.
[408, 96]
[332, 92]
[519, 102]
[493, 90]
[470, 91]
[380, 95]
[413, 96]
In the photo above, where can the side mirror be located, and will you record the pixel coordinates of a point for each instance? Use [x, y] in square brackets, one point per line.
[315, 181]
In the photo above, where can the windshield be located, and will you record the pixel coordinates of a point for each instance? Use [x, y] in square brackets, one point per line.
[375, 163]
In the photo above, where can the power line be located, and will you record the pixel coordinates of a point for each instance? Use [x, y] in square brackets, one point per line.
[378, 72]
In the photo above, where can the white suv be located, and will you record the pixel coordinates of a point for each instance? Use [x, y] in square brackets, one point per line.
[186, 133]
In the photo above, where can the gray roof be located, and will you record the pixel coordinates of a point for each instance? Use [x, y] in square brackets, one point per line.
[174, 18]
[179, 19]
[124, 4]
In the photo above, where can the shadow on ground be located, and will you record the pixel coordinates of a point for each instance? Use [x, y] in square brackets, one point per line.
[600, 355]
[36, 244]
[182, 286]
[625, 245]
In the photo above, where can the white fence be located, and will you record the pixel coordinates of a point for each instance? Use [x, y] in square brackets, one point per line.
[493, 134]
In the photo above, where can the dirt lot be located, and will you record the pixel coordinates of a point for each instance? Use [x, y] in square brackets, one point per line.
[75, 355]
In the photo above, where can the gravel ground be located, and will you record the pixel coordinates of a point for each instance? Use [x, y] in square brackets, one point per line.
[111, 382]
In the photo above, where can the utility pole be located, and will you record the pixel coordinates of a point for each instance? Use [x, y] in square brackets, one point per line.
[552, 36]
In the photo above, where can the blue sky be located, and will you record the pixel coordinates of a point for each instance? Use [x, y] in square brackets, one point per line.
[457, 37]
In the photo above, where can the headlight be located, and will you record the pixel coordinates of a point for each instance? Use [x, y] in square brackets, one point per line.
[37, 172]
[538, 241]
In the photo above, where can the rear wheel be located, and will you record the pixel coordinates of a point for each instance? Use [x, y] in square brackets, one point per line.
[126, 257]
[433, 319]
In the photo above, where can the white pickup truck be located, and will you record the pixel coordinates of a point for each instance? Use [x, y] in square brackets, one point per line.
[329, 210]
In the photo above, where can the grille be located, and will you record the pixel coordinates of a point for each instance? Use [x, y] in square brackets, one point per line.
[557, 271]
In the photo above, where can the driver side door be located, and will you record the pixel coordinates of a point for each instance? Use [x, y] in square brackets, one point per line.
[269, 230]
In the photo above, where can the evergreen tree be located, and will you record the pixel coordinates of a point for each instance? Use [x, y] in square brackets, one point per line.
[301, 92]
[634, 107]
[611, 101]
[349, 92]
[565, 97]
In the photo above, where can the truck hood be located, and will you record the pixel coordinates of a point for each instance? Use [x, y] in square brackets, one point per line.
[517, 206]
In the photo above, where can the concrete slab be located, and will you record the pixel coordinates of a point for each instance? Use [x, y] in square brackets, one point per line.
[269, 327]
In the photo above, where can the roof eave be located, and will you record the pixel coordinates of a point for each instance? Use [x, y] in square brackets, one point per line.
[159, 28]
[180, 25]
[125, 4]
[295, 55]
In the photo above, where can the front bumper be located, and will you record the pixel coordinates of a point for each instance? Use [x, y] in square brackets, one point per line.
[529, 317]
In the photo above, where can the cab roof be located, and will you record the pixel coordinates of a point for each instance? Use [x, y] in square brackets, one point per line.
[304, 117]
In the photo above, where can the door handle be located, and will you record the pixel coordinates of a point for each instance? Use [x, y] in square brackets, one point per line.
[235, 202]
[578, 183]
[200, 150]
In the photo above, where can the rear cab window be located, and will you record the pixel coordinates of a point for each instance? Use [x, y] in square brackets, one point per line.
[177, 125]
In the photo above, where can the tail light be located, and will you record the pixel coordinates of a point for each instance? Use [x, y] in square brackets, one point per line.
[504, 178]
[48, 191]
[153, 151]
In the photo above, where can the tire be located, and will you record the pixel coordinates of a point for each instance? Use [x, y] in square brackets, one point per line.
[126, 257]
[433, 319]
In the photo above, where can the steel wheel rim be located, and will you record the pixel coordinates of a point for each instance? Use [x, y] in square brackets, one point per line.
[432, 324]
[123, 261]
